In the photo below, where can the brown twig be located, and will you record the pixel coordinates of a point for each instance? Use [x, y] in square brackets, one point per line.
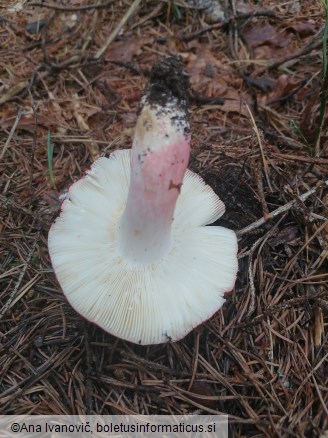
[75, 9]
[222, 24]
[278, 211]
[290, 157]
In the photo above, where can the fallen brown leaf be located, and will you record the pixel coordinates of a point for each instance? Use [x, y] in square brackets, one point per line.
[304, 29]
[125, 50]
[265, 34]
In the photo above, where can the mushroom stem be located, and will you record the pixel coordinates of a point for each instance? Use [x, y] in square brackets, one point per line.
[160, 155]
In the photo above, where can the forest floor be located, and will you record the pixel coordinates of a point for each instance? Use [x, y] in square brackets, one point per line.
[71, 76]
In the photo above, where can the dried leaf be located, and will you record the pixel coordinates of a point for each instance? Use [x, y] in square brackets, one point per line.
[13, 91]
[125, 50]
[286, 235]
[304, 29]
[265, 34]
[285, 84]
[51, 197]
[205, 390]
[208, 74]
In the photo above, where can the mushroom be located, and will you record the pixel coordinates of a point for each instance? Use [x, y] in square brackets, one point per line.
[130, 248]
